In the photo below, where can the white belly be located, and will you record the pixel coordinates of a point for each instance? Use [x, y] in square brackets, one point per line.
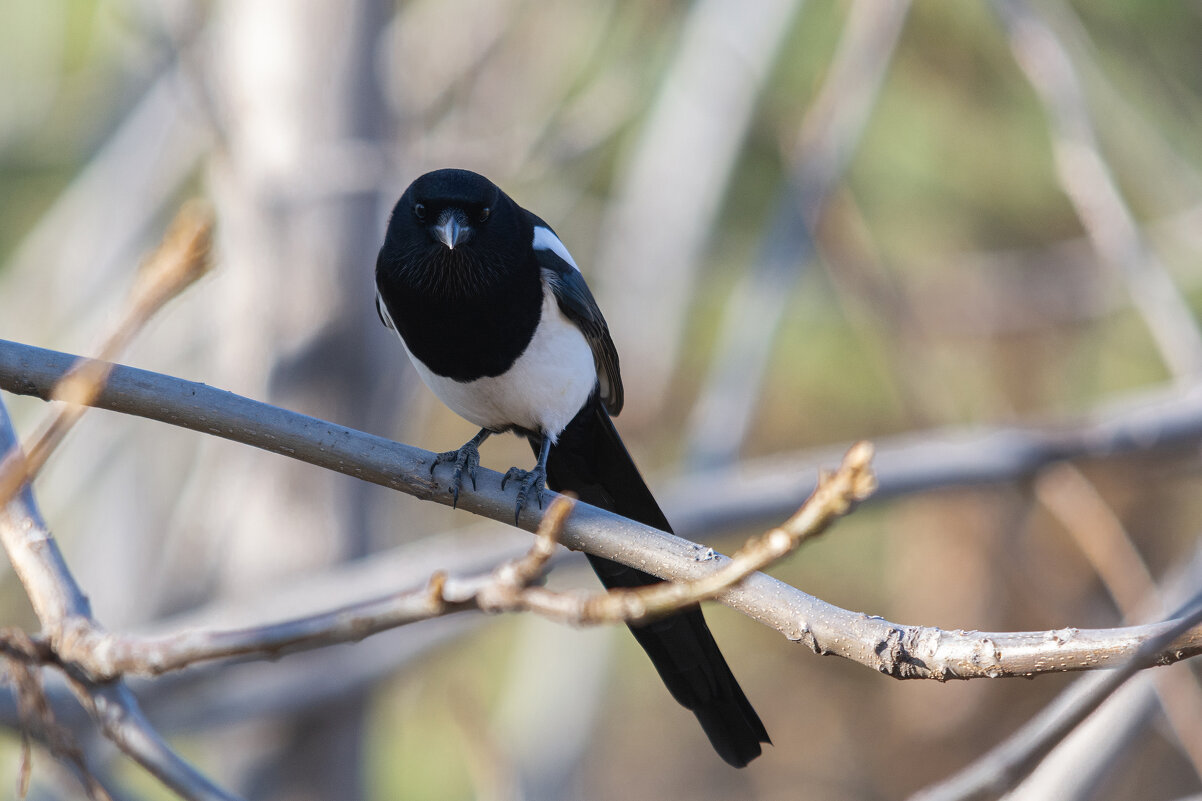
[541, 392]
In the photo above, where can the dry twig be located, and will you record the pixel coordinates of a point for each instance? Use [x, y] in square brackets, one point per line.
[104, 655]
[37, 717]
[179, 261]
[834, 497]
[57, 599]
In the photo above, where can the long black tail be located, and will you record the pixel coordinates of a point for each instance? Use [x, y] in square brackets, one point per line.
[590, 460]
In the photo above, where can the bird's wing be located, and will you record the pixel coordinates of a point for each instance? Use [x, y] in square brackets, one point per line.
[578, 305]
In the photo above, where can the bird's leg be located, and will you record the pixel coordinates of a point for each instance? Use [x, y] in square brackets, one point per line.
[530, 480]
[466, 458]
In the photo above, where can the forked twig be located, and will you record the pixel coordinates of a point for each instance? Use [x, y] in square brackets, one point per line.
[509, 587]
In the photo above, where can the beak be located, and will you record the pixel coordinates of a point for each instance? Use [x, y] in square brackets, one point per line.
[451, 228]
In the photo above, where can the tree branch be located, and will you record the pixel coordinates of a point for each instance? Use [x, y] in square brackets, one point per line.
[62, 607]
[1022, 751]
[1103, 539]
[506, 588]
[890, 648]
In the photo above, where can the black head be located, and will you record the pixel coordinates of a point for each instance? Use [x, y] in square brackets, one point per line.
[452, 229]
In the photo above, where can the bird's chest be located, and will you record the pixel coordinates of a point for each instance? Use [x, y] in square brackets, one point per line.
[540, 390]
[515, 362]
[468, 338]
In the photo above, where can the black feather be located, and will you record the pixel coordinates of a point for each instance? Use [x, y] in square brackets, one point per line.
[577, 304]
[591, 460]
[467, 309]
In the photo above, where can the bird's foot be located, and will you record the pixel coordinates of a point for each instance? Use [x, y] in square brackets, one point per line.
[465, 460]
[529, 481]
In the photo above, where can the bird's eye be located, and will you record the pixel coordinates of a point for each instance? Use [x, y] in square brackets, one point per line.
[419, 211]
[484, 212]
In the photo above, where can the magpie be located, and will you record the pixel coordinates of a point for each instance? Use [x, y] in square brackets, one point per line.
[496, 317]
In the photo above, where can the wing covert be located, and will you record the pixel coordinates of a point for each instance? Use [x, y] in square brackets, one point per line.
[578, 305]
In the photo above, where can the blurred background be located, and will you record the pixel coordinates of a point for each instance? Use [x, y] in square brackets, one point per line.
[807, 223]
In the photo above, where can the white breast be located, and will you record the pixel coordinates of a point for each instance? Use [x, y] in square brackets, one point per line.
[541, 392]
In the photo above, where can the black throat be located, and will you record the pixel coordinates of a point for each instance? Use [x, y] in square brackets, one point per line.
[463, 317]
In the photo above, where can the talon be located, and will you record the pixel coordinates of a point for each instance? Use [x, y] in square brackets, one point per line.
[466, 458]
[530, 480]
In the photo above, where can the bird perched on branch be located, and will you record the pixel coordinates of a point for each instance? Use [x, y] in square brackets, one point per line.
[498, 321]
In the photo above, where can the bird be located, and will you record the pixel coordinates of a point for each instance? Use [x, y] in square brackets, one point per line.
[498, 321]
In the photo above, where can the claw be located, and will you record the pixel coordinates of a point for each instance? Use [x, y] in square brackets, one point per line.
[529, 481]
[467, 458]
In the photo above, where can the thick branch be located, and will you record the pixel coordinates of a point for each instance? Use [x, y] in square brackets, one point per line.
[896, 650]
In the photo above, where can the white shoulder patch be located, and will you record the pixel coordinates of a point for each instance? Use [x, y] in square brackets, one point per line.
[545, 239]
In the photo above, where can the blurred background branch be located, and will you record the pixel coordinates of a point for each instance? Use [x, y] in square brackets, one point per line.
[825, 145]
[1088, 181]
[667, 197]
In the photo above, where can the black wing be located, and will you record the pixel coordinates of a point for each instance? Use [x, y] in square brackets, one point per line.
[578, 305]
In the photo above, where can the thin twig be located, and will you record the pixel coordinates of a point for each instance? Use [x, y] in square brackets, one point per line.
[61, 608]
[38, 719]
[518, 574]
[834, 496]
[179, 261]
[103, 655]
[507, 588]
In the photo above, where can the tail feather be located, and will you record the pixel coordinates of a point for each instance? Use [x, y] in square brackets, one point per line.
[590, 460]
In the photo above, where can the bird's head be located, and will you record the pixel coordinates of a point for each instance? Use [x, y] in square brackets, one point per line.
[450, 227]
[451, 207]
